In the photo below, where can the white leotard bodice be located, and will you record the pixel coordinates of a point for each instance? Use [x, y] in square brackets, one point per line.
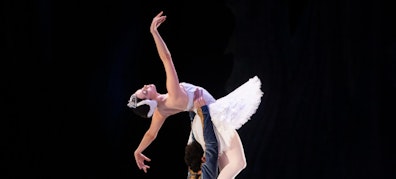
[190, 89]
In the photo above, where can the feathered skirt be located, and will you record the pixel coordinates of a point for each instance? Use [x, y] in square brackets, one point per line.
[230, 112]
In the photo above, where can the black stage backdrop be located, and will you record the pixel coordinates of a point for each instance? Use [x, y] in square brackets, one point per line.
[328, 70]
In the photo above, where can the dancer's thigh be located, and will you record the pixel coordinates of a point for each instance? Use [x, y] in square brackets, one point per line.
[234, 154]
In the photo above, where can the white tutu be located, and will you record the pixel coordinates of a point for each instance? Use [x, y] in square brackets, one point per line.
[230, 112]
[235, 109]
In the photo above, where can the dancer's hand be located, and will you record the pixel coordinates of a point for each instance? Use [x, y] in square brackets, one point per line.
[199, 101]
[157, 21]
[140, 158]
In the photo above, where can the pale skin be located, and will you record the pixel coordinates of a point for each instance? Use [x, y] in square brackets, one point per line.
[174, 101]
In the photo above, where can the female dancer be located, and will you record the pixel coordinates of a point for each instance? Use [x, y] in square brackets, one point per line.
[228, 113]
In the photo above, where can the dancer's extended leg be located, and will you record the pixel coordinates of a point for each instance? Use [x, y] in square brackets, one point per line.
[233, 160]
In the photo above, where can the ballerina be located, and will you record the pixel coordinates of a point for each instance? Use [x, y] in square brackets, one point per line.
[228, 113]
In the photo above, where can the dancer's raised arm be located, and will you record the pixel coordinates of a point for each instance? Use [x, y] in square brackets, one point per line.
[172, 80]
[171, 103]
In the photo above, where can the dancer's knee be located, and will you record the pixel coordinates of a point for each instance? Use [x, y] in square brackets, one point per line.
[242, 164]
[231, 170]
[238, 165]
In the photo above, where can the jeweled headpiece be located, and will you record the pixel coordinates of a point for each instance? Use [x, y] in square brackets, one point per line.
[133, 103]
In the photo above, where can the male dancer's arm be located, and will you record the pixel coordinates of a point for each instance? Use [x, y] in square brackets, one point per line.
[210, 166]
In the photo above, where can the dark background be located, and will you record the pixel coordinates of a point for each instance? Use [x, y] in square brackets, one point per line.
[328, 70]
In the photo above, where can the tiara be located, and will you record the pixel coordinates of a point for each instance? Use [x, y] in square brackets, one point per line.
[132, 103]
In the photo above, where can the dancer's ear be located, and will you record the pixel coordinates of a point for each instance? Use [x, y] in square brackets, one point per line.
[203, 159]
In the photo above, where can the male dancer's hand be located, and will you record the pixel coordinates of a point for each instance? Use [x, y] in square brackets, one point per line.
[199, 101]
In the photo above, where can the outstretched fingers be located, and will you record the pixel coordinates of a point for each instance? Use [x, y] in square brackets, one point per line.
[145, 168]
[197, 93]
[198, 98]
[140, 159]
[158, 20]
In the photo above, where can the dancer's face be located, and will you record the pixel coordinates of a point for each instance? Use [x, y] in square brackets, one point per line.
[147, 92]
